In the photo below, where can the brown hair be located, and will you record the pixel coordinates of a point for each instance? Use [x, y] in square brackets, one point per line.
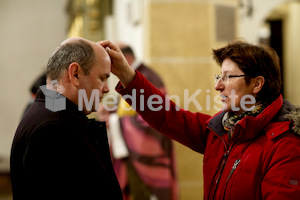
[255, 60]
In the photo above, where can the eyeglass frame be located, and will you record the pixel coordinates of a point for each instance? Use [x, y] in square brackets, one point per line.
[226, 77]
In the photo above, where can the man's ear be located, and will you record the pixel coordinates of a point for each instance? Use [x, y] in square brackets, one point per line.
[73, 73]
[258, 84]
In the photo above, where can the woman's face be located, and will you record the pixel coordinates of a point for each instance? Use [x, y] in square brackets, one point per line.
[236, 95]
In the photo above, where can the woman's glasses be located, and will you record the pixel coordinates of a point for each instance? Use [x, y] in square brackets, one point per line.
[225, 78]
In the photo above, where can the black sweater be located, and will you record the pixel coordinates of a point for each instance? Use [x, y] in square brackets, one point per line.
[61, 155]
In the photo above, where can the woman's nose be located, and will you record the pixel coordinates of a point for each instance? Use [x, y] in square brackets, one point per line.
[219, 85]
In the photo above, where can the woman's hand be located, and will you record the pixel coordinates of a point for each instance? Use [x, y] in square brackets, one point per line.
[119, 65]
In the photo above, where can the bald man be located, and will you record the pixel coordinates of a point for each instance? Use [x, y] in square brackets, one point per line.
[57, 152]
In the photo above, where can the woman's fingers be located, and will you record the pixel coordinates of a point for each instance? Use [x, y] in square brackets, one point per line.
[107, 43]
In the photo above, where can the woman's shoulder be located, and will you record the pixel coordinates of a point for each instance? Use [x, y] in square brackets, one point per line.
[287, 121]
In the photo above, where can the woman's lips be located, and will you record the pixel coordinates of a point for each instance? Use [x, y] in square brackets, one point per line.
[223, 97]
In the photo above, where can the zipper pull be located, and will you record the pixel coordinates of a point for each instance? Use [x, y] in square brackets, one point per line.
[233, 168]
[236, 163]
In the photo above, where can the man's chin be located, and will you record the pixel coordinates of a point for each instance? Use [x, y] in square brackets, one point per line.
[87, 112]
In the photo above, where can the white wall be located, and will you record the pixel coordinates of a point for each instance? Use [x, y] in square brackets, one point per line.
[291, 53]
[249, 29]
[249, 26]
[30, 31]
[126, 26]
[128, 20]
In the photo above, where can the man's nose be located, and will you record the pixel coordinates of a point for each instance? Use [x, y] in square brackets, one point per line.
[105, 88]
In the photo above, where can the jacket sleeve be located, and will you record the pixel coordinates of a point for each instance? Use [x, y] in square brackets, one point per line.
[282, 179]
[164, 115]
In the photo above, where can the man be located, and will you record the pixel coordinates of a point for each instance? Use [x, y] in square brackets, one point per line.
[64, 155]
[149, 153]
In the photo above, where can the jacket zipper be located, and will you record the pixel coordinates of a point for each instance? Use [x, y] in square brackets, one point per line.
[236, 162]
[216, 180]
[220, 172]
[222, 167]
[226, 155]
[233, 169]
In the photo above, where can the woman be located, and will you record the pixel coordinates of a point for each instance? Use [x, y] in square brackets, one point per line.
[252, 147]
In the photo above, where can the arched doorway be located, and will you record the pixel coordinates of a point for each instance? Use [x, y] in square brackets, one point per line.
[283, 26]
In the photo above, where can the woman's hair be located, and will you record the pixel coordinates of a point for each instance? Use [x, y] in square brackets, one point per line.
[79, 51]
[255, 60]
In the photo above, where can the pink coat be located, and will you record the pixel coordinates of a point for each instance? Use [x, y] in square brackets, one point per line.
[261, 161]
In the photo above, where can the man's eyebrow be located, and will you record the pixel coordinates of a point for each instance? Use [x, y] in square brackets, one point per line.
[106, 75]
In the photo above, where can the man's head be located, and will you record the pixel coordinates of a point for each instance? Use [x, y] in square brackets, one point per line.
[71, 50]
[254, 61]
[79, 64]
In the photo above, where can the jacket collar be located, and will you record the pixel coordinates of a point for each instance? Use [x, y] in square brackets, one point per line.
[290, 112]
[71, 108]
[250, 126]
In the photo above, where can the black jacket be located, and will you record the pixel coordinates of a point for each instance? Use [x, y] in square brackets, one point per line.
[61, 155]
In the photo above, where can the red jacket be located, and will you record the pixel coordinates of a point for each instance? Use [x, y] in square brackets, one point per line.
[261, 161]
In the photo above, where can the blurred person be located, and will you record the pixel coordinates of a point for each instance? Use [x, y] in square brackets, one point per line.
[41, 80]
[63, 154]
[252, 146]
[143, 159]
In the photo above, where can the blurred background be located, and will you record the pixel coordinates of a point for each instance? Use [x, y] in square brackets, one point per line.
[174, 37]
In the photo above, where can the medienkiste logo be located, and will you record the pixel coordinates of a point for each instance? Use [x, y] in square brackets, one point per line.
[54, 100]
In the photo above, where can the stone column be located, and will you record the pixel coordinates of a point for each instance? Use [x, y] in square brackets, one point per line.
[179, 37]
[86, 18]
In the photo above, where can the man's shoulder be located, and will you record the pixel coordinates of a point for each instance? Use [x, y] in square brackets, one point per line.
[151, 75]
[36, 118]
[38, 114]
[146, 70]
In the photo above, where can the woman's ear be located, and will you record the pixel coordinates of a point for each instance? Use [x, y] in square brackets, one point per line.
[258, 84]
[73, 73]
